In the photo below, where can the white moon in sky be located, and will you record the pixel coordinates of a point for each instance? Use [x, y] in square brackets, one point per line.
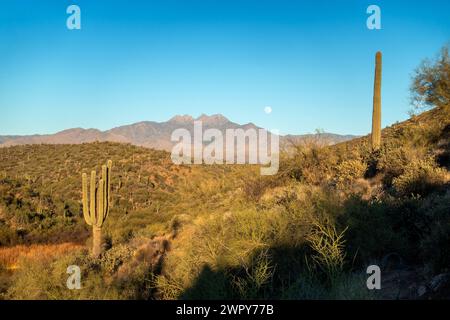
[268, 110]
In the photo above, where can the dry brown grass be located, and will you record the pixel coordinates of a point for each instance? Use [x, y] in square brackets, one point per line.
[10, 256]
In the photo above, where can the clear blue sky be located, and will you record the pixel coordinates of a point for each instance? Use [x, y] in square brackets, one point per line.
[311, 61]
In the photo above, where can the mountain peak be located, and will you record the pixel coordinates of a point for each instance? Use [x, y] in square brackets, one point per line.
[149, 134]
[214, 118]
[181, 118]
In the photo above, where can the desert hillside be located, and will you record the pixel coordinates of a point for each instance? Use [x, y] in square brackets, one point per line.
[224, 231]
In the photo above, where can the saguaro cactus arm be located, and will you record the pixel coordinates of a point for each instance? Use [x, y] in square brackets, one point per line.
[86, 213]
[93, 192]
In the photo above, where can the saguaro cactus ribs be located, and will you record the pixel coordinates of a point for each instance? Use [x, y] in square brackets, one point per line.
[96, 209]
[376, 116]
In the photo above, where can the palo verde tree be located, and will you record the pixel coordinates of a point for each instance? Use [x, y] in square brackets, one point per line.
[431, 82]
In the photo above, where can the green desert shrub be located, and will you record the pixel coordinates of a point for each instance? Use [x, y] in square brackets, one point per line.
[42, 279]
[121, 228]
[213, 246]
[393, 158]
[348, 171]
[310, 163]
[116, 275]
[420, 177]
[328, 246]
[248, 253]
[252, 279]
[113, 258]
[255, 279]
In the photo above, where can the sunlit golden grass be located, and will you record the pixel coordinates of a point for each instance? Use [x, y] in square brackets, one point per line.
[10, 256]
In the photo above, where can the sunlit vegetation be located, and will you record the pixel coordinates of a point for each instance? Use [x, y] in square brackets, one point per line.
[211, 232]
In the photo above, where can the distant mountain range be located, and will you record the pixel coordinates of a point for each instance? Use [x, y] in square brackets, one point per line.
[156, 135]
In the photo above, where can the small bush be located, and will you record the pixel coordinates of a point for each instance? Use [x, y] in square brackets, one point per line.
[115, 257]
[348, 171]
[258, 274]
[393, 158]
[328, 246]
[420, 177]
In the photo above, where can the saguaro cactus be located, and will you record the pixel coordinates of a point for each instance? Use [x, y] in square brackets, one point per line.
[376, 116]
[96, 207]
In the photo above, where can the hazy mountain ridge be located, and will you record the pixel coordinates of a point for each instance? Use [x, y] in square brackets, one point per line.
[152, 134]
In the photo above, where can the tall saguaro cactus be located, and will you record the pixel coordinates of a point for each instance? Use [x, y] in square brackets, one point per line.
[376, 116]
[96, 205]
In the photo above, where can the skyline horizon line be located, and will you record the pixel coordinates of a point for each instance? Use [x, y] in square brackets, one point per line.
[318, 130]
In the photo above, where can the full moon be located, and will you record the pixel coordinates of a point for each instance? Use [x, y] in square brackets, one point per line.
[268, 110]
